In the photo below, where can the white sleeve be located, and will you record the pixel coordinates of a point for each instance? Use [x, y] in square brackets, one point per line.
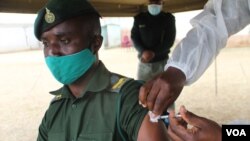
[211, 29]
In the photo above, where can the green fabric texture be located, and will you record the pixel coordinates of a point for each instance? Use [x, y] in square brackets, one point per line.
[93, 115]
[57, 11]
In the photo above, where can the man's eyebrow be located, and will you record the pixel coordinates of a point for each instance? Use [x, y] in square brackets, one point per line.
[58, 34]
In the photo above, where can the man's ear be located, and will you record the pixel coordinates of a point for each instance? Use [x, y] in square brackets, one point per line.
[97, 43]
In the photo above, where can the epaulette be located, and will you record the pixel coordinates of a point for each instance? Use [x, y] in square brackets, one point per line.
[117, 81]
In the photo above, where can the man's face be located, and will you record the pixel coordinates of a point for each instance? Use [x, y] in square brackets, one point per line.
[66, 38]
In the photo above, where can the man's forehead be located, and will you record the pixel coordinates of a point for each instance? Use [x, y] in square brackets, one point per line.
[73, 24]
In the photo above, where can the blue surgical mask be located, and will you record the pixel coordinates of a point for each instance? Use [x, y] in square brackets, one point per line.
[67, 69]
[154, 9]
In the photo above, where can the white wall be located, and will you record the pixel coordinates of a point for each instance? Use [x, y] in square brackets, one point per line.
[16, 32]
[15, 38]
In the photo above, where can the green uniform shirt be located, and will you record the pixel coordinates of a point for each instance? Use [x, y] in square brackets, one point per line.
[92, 117]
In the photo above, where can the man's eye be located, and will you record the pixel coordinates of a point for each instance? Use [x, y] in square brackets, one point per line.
[65, 41]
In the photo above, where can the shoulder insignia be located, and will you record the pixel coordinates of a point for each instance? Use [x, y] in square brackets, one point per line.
[117, 82]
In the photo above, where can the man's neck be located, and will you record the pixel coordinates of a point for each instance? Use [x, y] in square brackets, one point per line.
[78, 86]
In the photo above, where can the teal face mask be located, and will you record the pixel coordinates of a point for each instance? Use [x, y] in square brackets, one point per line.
[67, 69]
[154, 9]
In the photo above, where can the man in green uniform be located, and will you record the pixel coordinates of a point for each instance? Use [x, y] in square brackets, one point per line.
[93, 104]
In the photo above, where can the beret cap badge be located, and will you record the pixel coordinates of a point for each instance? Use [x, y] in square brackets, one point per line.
[49, 16]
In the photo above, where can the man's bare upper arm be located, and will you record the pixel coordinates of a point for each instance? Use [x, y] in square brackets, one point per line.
[150, 131]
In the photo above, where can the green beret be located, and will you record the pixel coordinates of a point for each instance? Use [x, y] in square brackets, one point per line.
[57, 11]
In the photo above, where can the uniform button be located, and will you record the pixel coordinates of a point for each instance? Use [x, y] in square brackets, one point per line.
[73, 106]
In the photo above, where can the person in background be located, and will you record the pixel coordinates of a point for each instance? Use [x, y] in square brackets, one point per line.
[153, 34]
[192, 56]
[94, 103]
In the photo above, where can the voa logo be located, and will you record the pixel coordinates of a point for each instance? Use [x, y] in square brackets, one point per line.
[236, 132]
